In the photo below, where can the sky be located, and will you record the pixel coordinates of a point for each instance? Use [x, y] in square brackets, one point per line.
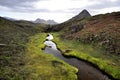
[58, 10]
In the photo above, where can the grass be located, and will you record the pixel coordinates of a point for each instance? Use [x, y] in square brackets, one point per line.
[20, 60]
[11, 55]
[106, 62]
[34, 64]
[42, 66]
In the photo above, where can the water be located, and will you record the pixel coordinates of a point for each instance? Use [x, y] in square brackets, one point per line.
[85, 70]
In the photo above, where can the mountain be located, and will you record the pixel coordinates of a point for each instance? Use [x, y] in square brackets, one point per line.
[102, 29]
[51, 22]
[76, 19]
[83, 14]
[11, 19]
[38, 20]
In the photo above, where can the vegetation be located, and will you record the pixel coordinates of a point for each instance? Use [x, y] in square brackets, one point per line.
[101, 29]
[94, 54]
[42, 66]
[20, 60]
[90, 39]
[14, 38]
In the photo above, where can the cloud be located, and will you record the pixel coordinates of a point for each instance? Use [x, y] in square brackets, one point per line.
[16, 3]
[20, 6]
[97, 6]
[104, 4]
[57, 6]
[59, 10]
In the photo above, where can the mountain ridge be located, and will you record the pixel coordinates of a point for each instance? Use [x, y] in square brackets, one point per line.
[38, 20]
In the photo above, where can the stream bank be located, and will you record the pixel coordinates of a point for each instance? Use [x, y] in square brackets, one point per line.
[85, 70]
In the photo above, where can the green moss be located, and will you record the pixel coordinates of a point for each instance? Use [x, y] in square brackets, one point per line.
[107, 62]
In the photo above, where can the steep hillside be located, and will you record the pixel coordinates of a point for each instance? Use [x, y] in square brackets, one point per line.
[83, 14]
[11, 30]
[101, 29]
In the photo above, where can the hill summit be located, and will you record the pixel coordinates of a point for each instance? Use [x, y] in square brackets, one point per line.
[83, 14]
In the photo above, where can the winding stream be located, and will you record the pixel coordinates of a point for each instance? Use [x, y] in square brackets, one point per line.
[85, 70]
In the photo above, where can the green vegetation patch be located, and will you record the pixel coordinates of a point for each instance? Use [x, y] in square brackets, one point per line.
[107, 62]
[20, 60]
[42, 66]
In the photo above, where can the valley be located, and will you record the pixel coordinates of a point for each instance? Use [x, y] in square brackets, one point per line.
[92, 39]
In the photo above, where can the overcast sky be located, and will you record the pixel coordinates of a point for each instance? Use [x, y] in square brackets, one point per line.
[58, 10]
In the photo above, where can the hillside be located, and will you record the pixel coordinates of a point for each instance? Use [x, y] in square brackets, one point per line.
[101, 29]
[95, 39]
[13, 38]
[11, 30]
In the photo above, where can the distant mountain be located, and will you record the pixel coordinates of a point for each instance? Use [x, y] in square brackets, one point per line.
[11, 19]
[38, 20]
[51, 22]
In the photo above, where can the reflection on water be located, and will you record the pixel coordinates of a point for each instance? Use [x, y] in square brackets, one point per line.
[49, 37]
[50, 44]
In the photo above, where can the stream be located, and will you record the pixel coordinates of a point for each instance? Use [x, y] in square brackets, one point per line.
[85, 70]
